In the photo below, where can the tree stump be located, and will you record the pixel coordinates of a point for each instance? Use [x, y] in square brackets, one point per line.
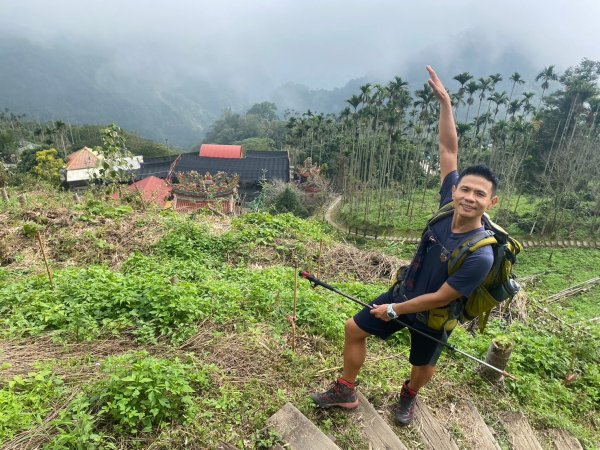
[497, 355]
[4, 194]
[22, 199]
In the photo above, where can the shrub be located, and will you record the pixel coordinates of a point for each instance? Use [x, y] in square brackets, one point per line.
[279, 197]
[95, 208]
[139, 394]
[144, 392]
[24, 401]
[87, 301]
[188, 240]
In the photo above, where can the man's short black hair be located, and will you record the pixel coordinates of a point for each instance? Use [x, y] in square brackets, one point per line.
[483, 171]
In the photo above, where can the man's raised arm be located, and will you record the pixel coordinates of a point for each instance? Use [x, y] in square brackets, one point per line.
[448, 140]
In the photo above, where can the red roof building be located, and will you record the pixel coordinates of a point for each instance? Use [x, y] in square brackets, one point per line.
[221, 151]
[85, 158]
[152, 189]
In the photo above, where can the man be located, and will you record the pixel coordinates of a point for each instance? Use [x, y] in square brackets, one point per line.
[426, 285]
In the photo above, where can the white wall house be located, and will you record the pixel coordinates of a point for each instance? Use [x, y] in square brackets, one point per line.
[85, 164]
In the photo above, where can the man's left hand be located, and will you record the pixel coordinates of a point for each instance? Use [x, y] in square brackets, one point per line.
[436, 85]
[380, 311]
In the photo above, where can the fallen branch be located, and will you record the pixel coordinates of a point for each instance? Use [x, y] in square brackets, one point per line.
[573, 290]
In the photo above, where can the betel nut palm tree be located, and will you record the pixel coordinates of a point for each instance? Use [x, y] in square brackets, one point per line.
[546, 75]
[471, 89]
[516, 79]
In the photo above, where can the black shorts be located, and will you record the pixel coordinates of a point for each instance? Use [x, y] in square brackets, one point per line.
[423, 351]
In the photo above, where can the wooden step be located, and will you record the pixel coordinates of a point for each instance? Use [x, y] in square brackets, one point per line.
[520, 433]
[432, 432]
[374, 429]
[475, 430]
[297, 431]
[562, 440]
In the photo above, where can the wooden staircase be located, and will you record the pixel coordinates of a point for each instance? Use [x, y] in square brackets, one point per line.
[299, 433]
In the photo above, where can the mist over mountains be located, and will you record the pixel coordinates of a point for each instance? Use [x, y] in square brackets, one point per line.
[167, 70]
[174, 102]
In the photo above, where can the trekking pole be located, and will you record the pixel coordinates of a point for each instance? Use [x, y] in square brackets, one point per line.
[316, 282]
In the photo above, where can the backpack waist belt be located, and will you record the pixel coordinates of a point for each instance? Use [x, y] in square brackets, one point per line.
[437, 319]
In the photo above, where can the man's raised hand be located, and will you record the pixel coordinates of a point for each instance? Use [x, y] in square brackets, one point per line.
[438, 88]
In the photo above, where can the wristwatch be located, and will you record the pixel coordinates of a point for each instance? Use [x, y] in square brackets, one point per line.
[390, 311]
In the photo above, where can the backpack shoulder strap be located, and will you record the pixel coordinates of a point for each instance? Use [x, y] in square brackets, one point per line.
[513, 247]
[445, 211]
[469, 245]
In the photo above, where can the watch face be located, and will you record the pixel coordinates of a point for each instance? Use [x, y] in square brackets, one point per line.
[391, 313]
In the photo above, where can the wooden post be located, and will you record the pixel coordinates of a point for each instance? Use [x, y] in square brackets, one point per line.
[38, 236]
[295, 304]
[4, 194]
[497, 355]
[231, 209]
[319, 258]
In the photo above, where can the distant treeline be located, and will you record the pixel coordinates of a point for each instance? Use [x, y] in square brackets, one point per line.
[20, 137]
[384, 143]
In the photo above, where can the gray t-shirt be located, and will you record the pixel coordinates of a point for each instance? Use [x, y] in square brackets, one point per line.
[434, 271]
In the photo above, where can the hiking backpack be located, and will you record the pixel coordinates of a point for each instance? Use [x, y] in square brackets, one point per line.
[499, 285]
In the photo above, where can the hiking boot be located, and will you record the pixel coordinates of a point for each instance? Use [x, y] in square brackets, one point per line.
[340, 393]
[405, 408]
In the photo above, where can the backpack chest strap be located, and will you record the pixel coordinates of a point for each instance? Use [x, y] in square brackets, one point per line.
[468, 246]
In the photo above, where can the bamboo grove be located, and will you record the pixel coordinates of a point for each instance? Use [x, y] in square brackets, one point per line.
[381, 150]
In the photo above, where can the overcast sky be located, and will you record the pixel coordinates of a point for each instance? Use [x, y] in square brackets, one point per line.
[319, 43]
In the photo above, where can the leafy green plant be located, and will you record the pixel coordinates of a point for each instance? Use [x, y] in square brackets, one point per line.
[144, 392]
[87, 301]
[95, 208]
[30, 229]
[188, 240]
[77, 428]
[264, 228]
[24, 401]
[140, 394]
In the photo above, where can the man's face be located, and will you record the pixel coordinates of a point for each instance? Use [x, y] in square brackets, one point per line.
[473, 196]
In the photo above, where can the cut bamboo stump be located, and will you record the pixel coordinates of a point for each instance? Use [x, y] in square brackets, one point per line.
[562, 440]
[432, 432]
[298, 432]
[498, 357]
[475, 430]
[520, 433]
[4, 194]
[374, 429]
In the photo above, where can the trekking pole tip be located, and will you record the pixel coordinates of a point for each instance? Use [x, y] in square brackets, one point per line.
[512, 377]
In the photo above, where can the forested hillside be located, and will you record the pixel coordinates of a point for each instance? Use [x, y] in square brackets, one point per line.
[381, 150]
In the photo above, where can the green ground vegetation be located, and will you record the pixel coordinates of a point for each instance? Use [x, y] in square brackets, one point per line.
[188, 338]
